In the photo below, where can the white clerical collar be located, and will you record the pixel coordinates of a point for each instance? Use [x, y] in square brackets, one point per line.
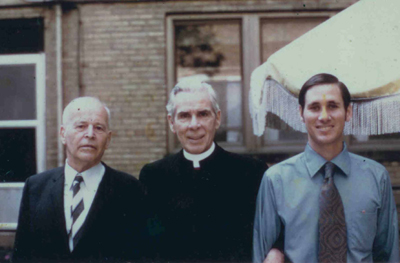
[91, 177]
[196, 158]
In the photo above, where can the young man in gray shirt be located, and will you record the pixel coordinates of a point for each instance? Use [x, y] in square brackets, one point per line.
[333, 206]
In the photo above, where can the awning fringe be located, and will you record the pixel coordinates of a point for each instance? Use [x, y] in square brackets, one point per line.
[370, 117]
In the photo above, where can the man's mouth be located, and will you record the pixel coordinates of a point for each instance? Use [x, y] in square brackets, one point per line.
[325, 127]
[195, 138]
[87, 146]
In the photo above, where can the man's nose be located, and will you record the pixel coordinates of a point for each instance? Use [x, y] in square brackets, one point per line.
[324, 114]
[194, 123]
[89, 132]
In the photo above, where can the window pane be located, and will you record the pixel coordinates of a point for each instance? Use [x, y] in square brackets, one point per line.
[21, 36]
[212, 52]
[17, 154]
[277, 33]
[229, 94]
[18, 92]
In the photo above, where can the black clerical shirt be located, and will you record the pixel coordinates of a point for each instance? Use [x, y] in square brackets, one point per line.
[202, 214]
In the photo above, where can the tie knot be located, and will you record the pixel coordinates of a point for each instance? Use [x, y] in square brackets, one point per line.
[329, 169]
[76, 184]
[78, 178]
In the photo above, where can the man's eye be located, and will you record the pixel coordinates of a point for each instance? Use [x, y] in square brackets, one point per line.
[99, 128]
[333, 106]
[184, 116]
[203, 114]
[314, 108]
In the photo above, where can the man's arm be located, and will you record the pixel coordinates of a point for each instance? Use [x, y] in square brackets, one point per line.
[275, 256]
[153, 225]
[386, 243]
[267, 224]
[23, 238]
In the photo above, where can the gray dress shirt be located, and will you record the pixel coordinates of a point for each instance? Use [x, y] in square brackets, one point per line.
[288, 201]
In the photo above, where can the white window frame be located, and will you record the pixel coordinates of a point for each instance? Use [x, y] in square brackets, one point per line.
[39, 123]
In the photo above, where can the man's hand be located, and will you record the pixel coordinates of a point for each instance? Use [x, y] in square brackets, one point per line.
[274, 256]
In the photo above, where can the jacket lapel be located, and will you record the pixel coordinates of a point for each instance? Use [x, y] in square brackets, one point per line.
[57, 197]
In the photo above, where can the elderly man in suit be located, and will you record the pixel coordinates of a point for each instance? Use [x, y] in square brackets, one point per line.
[203, 197]
[84, 211]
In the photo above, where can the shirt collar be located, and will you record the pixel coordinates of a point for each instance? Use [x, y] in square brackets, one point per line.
[314, 161]
[91, 177]
[196, 158]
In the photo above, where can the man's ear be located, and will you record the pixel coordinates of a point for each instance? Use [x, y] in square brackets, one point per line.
[218, 119]
[349, 112]
[62, 134]
[301, 113]
[171, 123]
[109, 134]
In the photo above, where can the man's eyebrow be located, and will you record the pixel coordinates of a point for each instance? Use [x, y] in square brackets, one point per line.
[315, 103]
[80, 122]
[333, 102]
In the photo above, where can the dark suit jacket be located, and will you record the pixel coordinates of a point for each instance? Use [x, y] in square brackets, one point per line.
[202, 215]
[112, 229]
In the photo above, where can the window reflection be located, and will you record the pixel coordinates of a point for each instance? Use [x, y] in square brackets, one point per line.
[18, 93]
[212, 52]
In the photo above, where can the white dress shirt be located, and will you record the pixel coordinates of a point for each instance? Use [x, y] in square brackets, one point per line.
[91, 180]
[196, 158]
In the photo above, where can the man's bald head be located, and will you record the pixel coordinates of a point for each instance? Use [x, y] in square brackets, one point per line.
[84, 103]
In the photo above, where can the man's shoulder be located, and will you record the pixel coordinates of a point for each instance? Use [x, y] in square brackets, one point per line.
[119, 176]
[358, 160]
[163, 164]
[285, 167]
[46, 175]
[365, 166]
[118, 184]
[241, 160]
[41, 182]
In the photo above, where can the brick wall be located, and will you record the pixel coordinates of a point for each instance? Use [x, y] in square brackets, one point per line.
[123, 62]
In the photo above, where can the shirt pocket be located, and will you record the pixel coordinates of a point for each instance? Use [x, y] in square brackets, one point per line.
[362, 230]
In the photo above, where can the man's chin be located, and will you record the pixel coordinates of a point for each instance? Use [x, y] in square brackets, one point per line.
[195, 149]
[326, 140]
[87, 158]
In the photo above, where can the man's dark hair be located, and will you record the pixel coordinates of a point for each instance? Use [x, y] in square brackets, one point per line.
[321, 79]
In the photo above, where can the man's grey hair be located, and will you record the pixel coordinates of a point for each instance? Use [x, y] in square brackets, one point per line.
[191, 85]
[66, 113]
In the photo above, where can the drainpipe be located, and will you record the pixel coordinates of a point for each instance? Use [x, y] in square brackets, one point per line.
[60, 148]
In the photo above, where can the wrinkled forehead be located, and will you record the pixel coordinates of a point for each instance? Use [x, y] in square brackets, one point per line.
[85, 110]
[193, 101]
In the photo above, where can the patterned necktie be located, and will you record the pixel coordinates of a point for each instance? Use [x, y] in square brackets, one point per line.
[332, 224]
[77, 208]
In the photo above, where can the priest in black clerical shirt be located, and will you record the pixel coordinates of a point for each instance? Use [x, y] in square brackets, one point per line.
[202, 199]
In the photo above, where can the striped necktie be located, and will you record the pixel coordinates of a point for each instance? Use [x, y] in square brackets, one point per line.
[332, 224]
[77, 208]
